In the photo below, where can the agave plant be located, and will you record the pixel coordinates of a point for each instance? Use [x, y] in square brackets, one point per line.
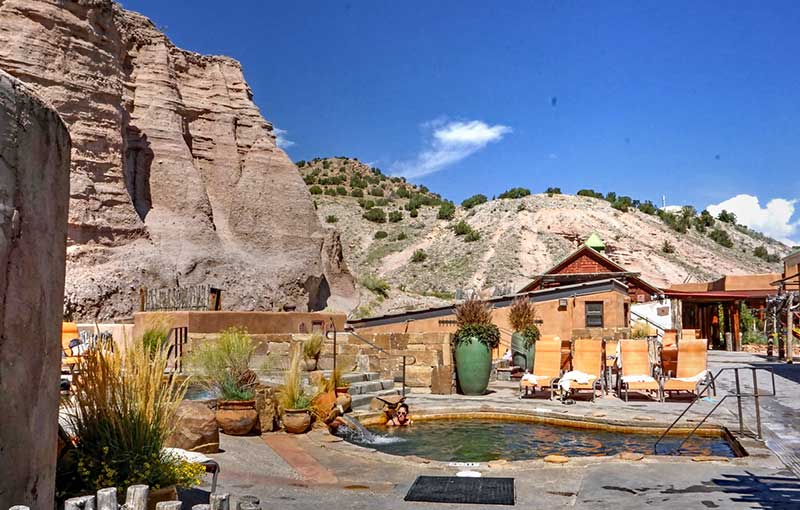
[474, 320]
[522, 317]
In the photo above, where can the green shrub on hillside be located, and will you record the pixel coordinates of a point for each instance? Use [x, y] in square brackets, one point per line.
[326, 164]
[667, 247]
[721, 237]
[473, 201]
[403, 192]
[376, 285]
[462, 228]
[515, 193]
[341, 190]
[472, 235]
[381, 234]
[395, 216]
[376, 191]
[366, 204]
[419, 256]
[310, 179]
[376, 215]
[414, 213]
[590, 193]
[446, 211]
[402, 236]
[315, 190]
[648, 207]
[331, 218]
[727, 217]
[301, 163]
[357, 193]
[553, 191]
[330, 191]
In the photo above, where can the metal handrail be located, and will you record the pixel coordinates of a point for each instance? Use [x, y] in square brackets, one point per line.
[738, 394]
[352, 332]
[648, 321]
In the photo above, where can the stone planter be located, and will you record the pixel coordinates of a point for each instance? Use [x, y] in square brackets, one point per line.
[343, 398]
[236, 417]
[296, 421]
[155, 496]
[473, 366]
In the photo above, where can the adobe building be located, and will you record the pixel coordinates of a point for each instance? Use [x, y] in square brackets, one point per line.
[697, 305]
[790, 280]
[584, 295]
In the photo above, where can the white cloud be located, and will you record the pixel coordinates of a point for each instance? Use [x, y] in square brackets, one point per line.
[449, 143]
[280, 138]
[774, 220]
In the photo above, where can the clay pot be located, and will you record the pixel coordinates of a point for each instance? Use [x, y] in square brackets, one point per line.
[343, 398]
[236, 417]
[155, 496]
[296, 421]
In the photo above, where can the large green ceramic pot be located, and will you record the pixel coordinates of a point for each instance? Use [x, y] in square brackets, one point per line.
[473, 366]
[522, 356]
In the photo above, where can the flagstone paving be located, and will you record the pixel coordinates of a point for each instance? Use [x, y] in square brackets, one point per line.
[314, 470]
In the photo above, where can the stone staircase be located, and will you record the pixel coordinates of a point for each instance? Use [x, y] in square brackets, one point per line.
[364, 386]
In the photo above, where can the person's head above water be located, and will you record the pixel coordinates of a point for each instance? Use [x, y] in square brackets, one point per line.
[401, 415]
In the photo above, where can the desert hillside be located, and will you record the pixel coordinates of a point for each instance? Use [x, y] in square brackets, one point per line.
[503, 243]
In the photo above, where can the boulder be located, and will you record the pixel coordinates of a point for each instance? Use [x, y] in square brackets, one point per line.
[196, 429]
[34, 191]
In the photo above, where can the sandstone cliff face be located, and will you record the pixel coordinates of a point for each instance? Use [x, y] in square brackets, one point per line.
[176, 178]
[34, 177]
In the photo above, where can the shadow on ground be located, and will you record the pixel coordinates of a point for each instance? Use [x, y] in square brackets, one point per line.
[779, 492]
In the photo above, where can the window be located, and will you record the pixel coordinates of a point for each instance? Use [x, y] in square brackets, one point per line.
[594, 314]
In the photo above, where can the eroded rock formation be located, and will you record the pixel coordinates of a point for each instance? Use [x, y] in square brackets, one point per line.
[34, 178]
[176, 178]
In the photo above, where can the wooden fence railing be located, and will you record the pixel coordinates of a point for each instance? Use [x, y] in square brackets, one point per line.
[136, 499]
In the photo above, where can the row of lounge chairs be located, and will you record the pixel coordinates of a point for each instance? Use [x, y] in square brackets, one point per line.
[595, 362]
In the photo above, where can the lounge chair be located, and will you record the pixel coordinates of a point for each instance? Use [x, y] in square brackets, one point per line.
[610, 364]
[692, 369]
[689, 334]
[669, 351]
[546, 367]
[69, 332]
[637, 372]
[588, 366]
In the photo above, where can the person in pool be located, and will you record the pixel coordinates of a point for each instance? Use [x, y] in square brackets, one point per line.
[401, 417]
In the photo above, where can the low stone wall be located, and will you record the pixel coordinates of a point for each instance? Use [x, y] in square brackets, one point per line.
[429, 355]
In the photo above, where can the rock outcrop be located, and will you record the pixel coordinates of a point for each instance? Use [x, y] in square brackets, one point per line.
[176, 179]
[34, 180]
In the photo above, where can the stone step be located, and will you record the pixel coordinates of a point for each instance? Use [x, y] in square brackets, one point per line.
[364, 387]
[363, 400]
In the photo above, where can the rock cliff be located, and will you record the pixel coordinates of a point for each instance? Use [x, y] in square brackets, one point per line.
[176, 178]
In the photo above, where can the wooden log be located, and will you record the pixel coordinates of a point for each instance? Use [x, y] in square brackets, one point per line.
[107, 499]
[80, 503]
[790, 329]
[19, 507]
[220, 502]
[201, 507]
[136, 498]
[168, 505]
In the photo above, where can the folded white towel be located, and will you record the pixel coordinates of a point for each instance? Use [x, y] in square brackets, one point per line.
[627, 379]
[697, 378]
[577, 376]
[531, 379]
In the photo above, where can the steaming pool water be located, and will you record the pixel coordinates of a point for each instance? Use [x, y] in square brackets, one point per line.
[482, 440]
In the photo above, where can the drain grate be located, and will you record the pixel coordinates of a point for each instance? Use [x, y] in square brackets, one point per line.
[453, 489]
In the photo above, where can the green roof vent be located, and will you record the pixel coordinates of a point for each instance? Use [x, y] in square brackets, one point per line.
[594, 242]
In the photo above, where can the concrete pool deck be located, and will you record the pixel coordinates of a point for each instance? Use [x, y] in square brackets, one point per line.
[316, 469]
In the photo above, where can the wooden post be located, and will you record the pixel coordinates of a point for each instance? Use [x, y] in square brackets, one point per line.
[168, 505]
[737, 339]
[789, 329]
[219, 502]
[80, 503]
[136, 498]
[201, 507]
[107, 499]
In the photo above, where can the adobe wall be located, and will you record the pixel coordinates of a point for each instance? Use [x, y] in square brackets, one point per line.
[202, 322]
[34, 193]
[566, 322]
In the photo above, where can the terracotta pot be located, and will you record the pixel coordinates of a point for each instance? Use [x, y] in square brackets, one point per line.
[296, 421]
[236, 417]
[155, 496]
[343, 398]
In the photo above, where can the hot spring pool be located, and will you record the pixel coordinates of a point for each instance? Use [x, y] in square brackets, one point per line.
[482, 440]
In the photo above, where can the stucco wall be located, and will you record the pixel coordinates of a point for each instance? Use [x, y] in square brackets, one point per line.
[34, 191]
[566, 322]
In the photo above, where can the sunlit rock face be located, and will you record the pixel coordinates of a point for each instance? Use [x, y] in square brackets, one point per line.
[34, 181]
[176, 179]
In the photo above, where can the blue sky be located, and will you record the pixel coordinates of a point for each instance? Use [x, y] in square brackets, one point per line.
[699, 101]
